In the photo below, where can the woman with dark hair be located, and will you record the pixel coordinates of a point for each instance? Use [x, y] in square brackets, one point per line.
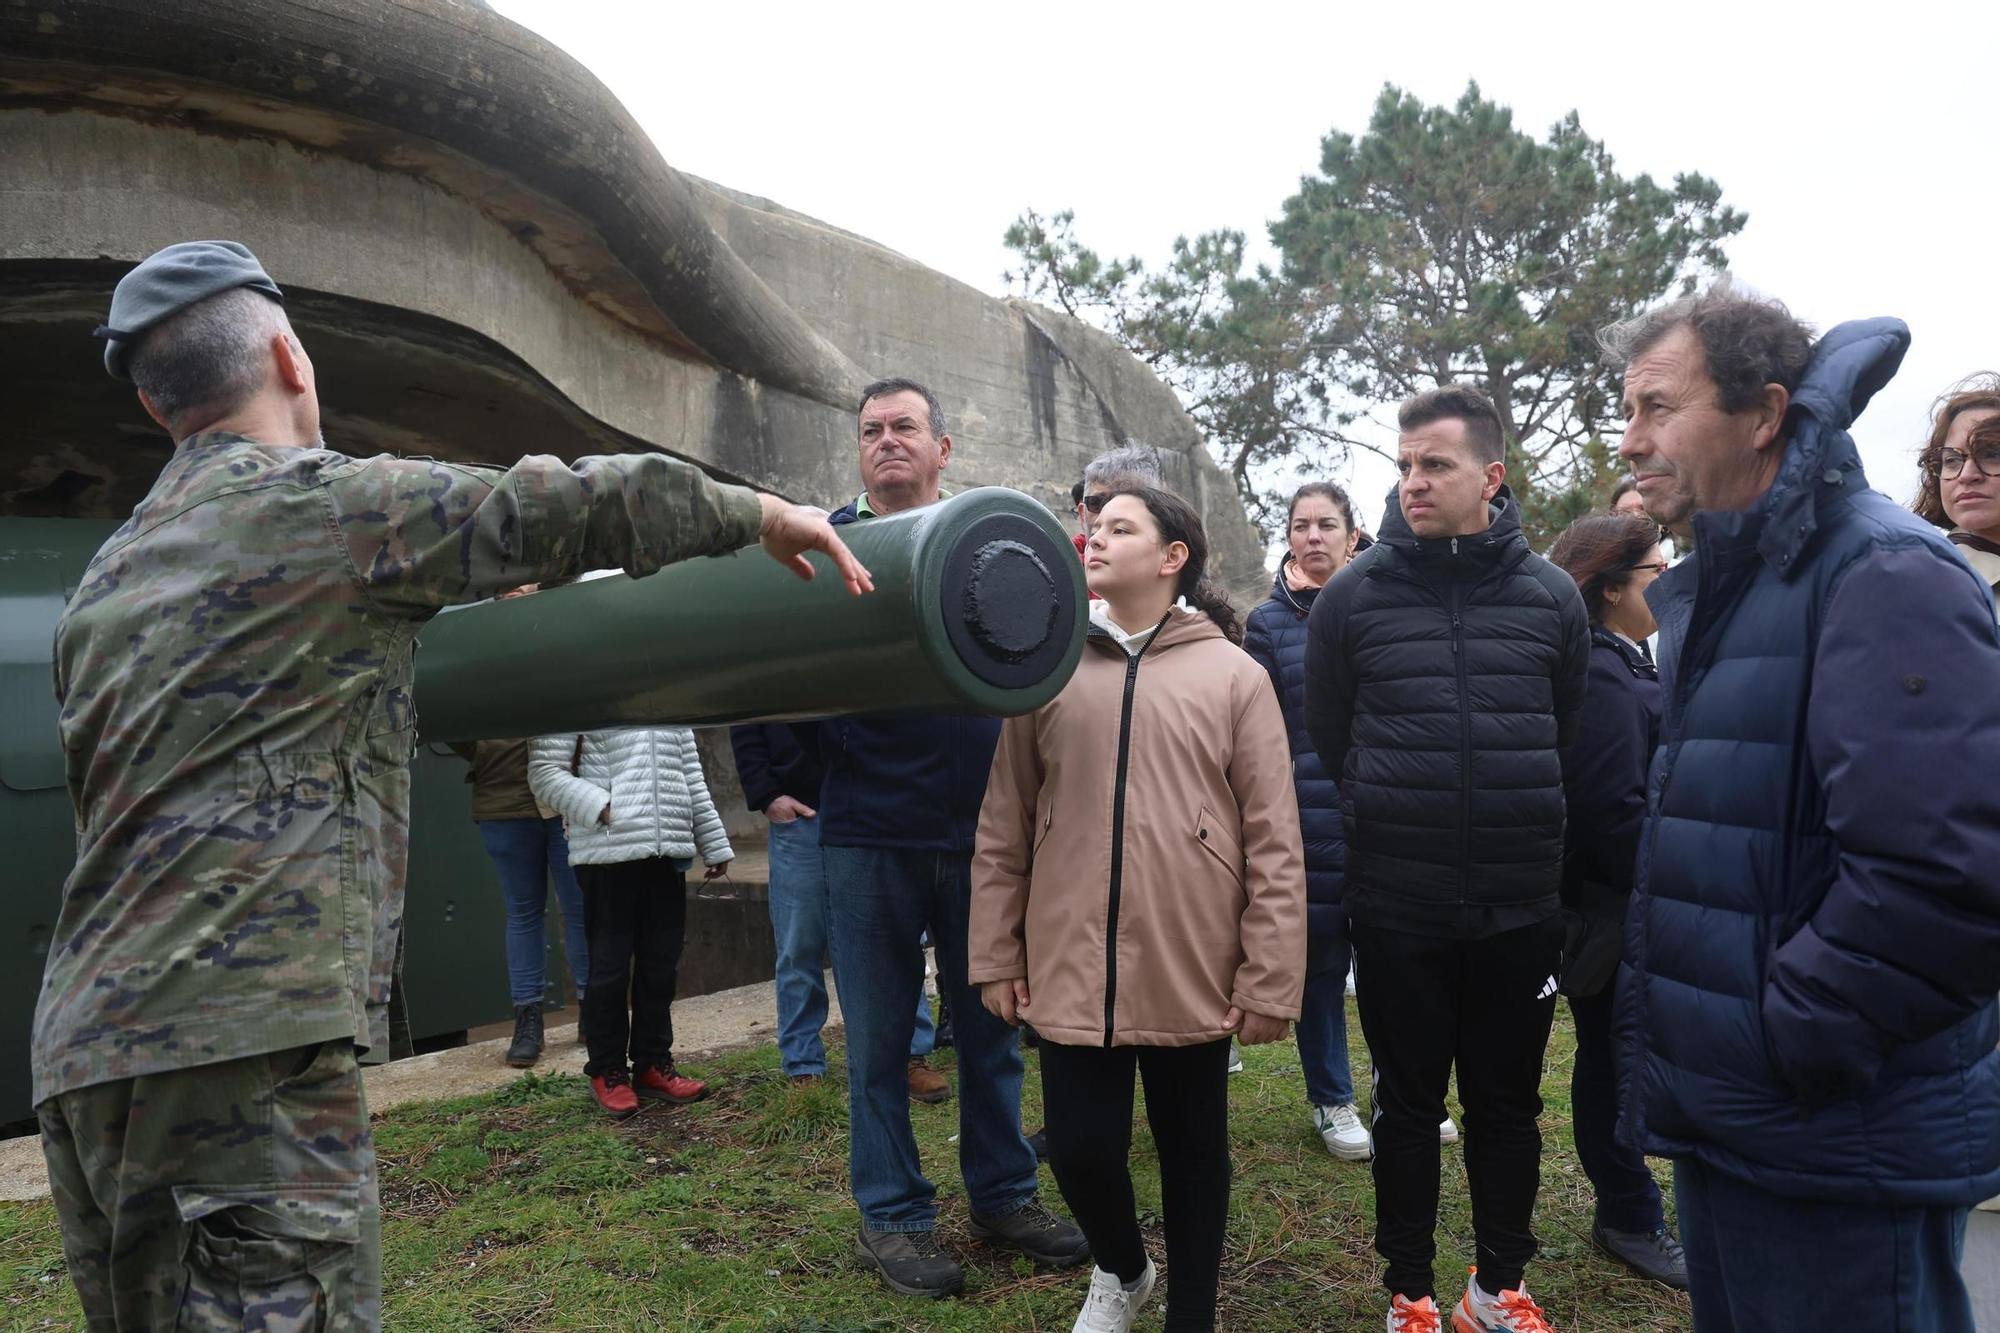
[1138, 896]
[1960, 464]
[1613, 559]
[1321, 534]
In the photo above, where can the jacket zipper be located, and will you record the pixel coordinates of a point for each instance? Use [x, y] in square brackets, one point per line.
[1118, 829]
[1464, 747]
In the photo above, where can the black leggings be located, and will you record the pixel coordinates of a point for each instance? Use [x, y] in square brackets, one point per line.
[1087, 1097]
[635, 919]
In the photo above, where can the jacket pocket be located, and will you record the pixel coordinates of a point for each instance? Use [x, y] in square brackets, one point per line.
[260, 1256]
[1042, 832]
[1219, 843]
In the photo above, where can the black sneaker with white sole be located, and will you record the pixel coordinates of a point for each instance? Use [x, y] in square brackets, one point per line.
[910, 1262]
[1051, 1241]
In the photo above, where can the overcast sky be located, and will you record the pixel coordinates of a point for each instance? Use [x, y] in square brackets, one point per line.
[1862, 149]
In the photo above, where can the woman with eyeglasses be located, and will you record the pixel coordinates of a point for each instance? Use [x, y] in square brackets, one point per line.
[1614, 558]
[1960, 490]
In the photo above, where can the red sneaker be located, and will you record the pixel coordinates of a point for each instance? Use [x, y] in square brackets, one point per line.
[669, 1085]
[614, 1093]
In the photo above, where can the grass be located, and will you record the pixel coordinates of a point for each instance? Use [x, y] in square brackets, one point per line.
[526, 1209]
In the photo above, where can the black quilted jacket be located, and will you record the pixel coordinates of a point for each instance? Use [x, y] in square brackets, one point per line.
[1442, 676]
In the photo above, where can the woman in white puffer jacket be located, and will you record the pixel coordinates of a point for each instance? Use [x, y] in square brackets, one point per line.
[638, 811]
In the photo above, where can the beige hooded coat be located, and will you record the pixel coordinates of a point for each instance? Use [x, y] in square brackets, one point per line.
[1141, 920]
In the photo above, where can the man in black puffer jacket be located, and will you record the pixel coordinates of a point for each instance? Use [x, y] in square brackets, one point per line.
[1443, 669]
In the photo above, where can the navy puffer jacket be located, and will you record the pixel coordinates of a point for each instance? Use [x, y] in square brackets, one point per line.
[1442, 674]
[1813, 945]
[1275, 634]
[903, 780]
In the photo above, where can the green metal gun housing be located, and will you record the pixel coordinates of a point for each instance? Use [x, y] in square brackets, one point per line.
[979, 607]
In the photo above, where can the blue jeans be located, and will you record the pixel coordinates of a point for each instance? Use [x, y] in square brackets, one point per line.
[1322, 1030]
[1758, 1263]
[527, 852]
[882, 900]
[797, 898]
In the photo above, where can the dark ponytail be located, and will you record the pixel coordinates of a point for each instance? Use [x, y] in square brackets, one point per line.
[1178, 522]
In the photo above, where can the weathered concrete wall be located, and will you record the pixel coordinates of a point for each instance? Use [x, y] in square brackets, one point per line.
[468, 183]
[1033, 394]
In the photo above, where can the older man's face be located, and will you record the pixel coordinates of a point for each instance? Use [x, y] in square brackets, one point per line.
[1688, 453]
[901, 460]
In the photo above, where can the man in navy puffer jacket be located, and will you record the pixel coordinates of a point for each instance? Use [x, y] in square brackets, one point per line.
[1813, 947]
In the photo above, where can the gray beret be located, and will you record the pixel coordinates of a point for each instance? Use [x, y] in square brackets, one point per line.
[167, 282]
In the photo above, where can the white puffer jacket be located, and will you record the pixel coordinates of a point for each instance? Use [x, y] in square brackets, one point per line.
[650, 777]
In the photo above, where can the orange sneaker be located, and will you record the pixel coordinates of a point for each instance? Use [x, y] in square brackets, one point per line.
[1512, 1311]
[669, 1085]
[1418, 1316]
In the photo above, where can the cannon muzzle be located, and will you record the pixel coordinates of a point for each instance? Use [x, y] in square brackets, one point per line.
[979, 607]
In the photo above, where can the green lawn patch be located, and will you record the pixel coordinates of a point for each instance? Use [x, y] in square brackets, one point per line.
[527, 1209]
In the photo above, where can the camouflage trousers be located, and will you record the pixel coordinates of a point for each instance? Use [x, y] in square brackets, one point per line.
[238, 1195]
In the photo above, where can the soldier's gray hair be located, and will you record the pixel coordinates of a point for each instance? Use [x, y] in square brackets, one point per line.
[212, 355]
[1129, 464]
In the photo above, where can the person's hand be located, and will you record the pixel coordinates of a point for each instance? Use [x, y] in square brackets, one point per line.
[604, 815]
[784, 809]
[716, 871]
[789, 531]
[1005, 999]
[1253, 1029]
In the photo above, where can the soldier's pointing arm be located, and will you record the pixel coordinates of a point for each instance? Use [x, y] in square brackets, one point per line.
[423, 534]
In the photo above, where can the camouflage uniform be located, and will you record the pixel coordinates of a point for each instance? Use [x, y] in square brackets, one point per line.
[234, 676]
[239, 1195]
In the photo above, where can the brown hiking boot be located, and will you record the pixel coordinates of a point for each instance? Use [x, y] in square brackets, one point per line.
[926, 1084]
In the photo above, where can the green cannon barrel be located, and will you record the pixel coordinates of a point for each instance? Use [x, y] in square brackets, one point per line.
[979, 607]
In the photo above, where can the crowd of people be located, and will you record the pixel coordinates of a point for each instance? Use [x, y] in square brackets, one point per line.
[1735, 808]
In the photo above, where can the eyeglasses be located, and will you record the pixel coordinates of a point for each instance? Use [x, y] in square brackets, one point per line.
[1986, 458]
[1657, 566]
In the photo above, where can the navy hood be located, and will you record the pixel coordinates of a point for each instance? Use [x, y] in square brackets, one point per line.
[1849, 366]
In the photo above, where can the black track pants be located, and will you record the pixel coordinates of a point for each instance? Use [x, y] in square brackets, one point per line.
[1483, 1005]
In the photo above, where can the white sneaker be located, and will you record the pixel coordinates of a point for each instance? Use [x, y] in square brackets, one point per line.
[1109, 1308]
[1340, 1128]
[1420, 1316]
[1235, 1058]
[1447, 1131]
[1512, 1311]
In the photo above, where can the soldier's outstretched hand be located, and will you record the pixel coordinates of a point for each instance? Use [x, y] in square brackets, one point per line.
[791, 530]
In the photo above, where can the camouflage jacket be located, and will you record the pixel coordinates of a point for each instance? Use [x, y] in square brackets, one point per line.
[234, 677]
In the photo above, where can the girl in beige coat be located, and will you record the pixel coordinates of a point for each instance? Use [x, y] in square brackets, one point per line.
[1139, 897]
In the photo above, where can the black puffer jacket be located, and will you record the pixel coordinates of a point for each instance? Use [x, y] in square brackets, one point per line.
[1442, 677]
